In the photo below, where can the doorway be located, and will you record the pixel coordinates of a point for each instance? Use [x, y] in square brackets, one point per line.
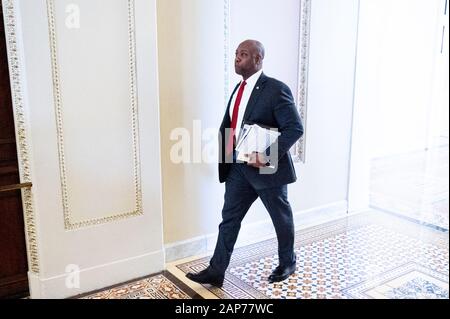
[401, 102]
[409, 171]
[13, 256]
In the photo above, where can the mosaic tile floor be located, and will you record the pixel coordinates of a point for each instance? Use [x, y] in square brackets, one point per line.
[158, 286]
[414, 185]
[370, 255]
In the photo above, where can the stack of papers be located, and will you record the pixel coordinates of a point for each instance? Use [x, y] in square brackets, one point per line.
[254, 138]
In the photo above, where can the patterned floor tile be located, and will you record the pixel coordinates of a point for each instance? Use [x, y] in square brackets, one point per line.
[410, 281]
[160, 286]
[334, 257]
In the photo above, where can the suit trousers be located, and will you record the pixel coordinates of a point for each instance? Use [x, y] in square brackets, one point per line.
[239, 196]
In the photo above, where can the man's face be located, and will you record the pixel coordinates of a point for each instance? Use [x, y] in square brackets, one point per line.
[246, 61]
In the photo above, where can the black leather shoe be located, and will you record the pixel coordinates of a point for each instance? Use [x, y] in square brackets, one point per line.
[281, 273]
[206, 276]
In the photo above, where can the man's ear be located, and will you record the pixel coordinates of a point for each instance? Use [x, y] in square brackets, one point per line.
[258, 59]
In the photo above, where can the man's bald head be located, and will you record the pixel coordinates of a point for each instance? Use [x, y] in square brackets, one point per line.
[249, 58]
[257, 47]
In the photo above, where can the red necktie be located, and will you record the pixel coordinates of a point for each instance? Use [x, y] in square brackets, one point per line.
[234, 118]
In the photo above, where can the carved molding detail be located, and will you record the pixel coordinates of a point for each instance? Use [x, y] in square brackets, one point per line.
[15, 69]
[299, 149]
[69, 223]
[226, 60]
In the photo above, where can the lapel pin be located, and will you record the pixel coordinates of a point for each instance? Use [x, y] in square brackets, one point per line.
[257, 87]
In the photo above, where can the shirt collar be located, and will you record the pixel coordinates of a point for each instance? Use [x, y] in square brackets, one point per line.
[251, 81]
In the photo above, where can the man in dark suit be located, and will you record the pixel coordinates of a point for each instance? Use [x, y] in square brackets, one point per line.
[257, 99]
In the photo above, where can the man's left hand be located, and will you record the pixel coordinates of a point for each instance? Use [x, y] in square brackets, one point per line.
[256, 160]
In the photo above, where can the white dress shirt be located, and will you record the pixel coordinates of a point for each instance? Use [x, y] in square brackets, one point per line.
[251, 82]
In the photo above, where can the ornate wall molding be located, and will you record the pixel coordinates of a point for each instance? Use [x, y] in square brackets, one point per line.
[69, 221]
[226, 38]
[298, 150]
[15, 69]
[303, 66]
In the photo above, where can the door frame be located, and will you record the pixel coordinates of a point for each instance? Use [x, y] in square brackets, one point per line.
[16, 71]
[440, 76]
[358, 194]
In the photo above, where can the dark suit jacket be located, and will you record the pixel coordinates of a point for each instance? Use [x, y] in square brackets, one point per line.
[271, 104]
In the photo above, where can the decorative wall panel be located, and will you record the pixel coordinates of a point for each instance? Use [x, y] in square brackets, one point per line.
[96, 109]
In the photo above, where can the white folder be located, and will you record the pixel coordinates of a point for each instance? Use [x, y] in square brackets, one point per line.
[254, 138]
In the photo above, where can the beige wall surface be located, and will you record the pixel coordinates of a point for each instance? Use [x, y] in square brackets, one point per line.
[190, 45]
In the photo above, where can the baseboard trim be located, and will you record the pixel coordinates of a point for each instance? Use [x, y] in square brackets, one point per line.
[256, 232]
[186, 248]
[94, 278]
